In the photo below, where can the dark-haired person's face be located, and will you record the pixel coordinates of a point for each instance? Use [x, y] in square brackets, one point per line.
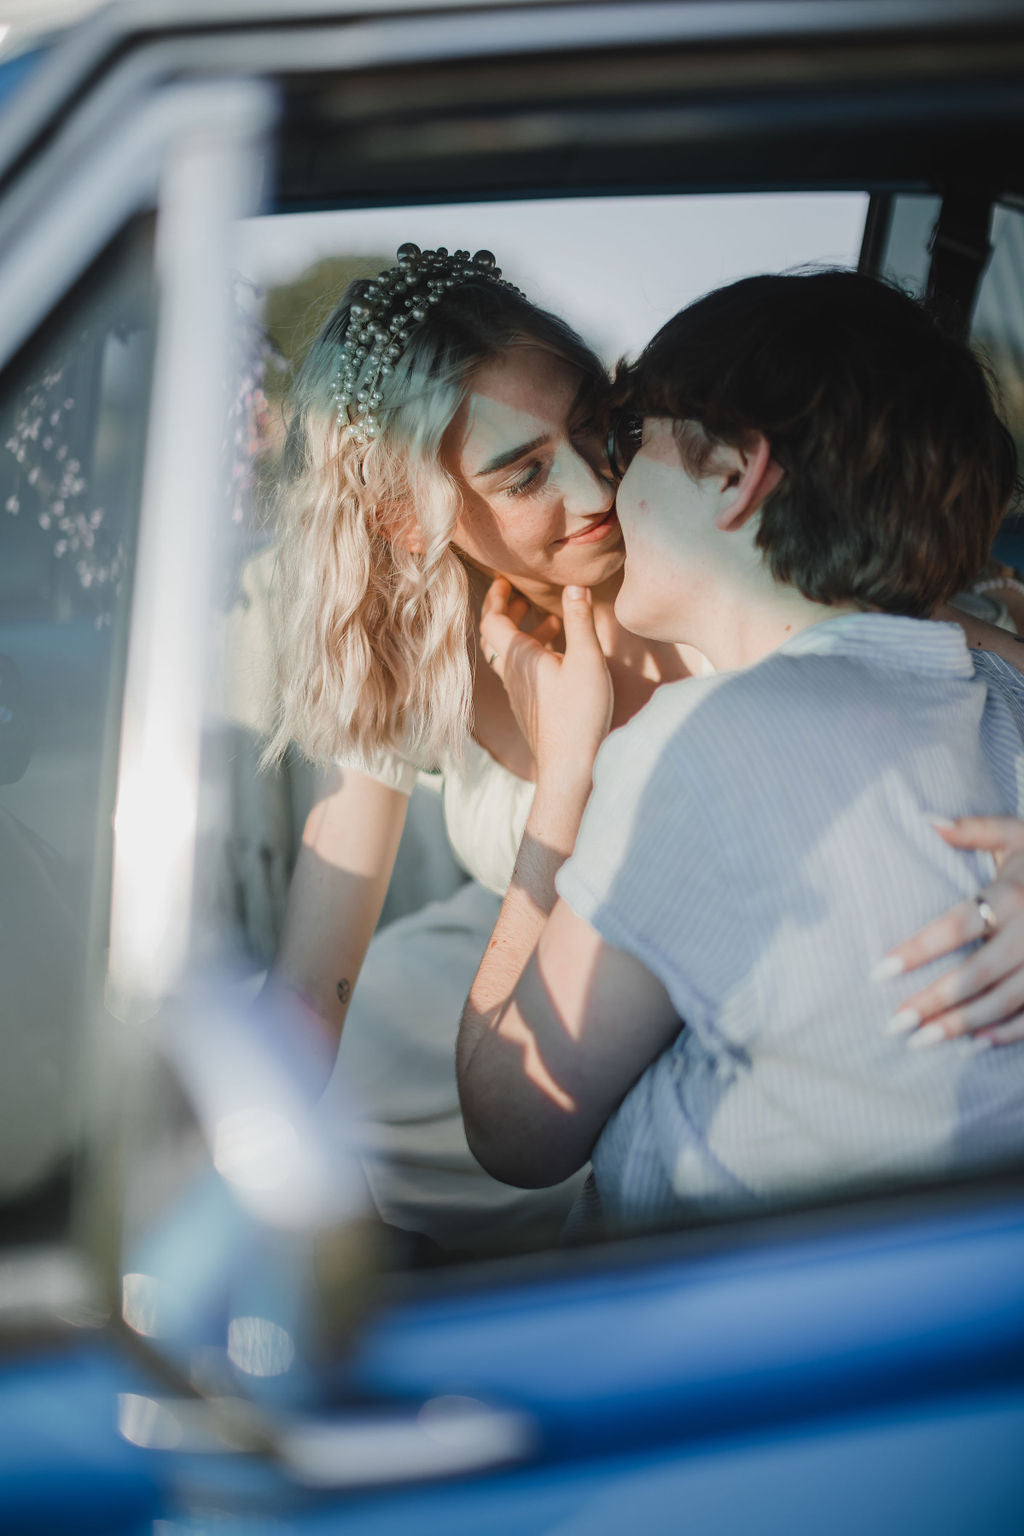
[667, 521]
[538, 505]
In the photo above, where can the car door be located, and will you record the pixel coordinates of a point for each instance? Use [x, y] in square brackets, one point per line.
[114, 275]
[217, 1360]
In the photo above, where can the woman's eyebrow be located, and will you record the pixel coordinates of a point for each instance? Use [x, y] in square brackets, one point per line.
[503, 460]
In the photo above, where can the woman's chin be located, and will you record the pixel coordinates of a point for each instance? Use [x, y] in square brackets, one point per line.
[596, 568]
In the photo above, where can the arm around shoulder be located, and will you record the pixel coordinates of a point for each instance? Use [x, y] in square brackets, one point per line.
[982, 636]
[558, 1023]
[539, 1078]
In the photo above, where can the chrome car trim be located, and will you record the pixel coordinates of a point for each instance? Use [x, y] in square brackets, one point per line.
[443, 1437]
[123, 175]
[418, 29]
[210, 180]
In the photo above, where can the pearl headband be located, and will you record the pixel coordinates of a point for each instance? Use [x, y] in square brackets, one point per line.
[380, 321]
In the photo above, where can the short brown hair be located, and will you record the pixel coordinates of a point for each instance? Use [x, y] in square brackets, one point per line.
[898, 469]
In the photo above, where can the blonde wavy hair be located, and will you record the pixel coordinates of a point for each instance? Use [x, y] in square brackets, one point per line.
[371, 600]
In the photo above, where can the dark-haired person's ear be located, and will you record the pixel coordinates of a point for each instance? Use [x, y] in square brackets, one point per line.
[749, 479]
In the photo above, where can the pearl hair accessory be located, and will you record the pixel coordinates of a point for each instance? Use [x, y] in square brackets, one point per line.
[392, 305]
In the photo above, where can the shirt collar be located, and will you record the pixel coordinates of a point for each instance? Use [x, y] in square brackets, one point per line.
[886, 639]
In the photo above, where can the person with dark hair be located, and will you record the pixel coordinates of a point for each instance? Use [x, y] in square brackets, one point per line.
[871, 412]
[810, 469]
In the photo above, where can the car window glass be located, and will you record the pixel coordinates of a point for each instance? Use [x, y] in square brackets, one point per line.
[998, 324]
[72, 417]
[616, 269]
[907, 252]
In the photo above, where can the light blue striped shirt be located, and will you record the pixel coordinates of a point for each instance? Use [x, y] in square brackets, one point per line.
[759, 839]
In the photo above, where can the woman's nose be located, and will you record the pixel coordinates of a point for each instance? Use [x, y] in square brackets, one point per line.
[586, 492]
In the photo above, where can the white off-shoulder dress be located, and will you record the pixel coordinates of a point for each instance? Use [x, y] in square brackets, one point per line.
[396, 1062]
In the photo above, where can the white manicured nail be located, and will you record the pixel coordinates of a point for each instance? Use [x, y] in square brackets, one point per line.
[943, 823]
[981, 1043]
[885, 970]
[931, 1034]
[900, 1023]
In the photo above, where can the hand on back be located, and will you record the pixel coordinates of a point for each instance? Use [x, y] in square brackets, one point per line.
[984, 994]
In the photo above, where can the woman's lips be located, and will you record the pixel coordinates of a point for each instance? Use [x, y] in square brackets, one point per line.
[600, 528]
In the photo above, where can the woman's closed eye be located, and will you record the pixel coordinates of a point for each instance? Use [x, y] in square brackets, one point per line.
[584, 435]
[529, 479]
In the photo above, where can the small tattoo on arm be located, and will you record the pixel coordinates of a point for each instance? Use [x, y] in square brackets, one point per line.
[344, 990]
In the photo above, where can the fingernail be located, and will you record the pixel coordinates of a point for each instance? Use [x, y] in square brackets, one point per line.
[574, 593]
[900, 1023]
[930, 1035]
[981, 1043]
[942, 823]
[886, 969]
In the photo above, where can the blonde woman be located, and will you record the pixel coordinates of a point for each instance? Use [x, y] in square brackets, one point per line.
[442, 435]
[442, 456]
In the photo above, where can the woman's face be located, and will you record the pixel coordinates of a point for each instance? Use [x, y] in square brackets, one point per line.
[538, 504]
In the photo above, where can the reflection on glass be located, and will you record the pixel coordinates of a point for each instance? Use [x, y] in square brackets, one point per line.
[259, 1347]
[145, 1422]
[140, 1295]
[72, 426]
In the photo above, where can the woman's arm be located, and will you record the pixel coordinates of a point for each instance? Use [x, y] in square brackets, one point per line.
[985, 637]
[341, 878]
[985, 993]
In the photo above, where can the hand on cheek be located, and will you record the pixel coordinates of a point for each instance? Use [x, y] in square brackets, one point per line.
[563, 703]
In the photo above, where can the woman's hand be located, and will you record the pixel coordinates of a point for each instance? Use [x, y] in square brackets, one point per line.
[984, 995]
[562, 703]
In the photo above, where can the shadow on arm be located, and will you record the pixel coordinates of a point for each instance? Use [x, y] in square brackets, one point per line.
[542, 1068]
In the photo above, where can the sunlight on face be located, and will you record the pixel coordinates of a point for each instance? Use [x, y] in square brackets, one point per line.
[538, 503]
[666, 518]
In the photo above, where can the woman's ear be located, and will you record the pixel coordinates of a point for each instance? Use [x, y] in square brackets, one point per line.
[754, 476]
[395, 525]
[415, 543]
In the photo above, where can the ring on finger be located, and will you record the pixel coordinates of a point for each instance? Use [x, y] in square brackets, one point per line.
[492, 658]
[989, 921]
